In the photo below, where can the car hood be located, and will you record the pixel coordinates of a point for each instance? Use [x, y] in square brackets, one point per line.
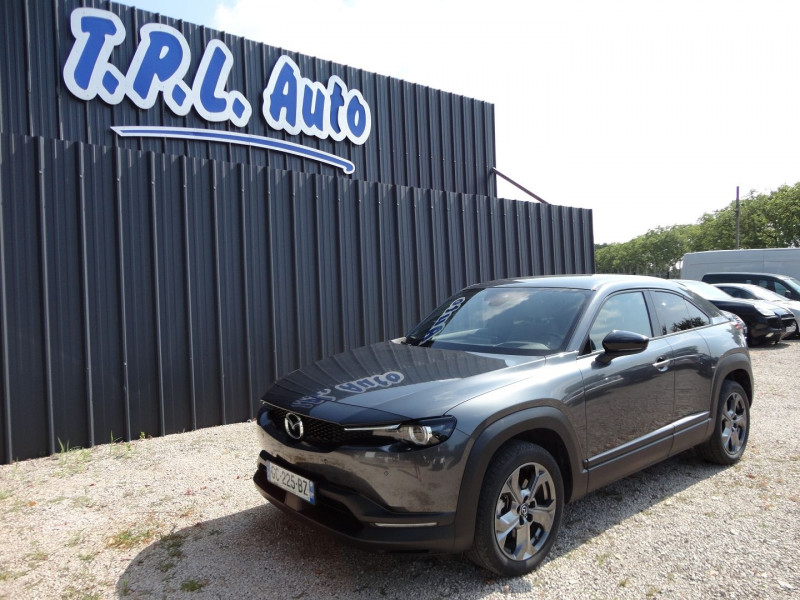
[736, 305]
[792, 306]
[389, 381]
[776, 308]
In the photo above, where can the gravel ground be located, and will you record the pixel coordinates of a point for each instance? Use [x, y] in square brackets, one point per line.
[179, 517]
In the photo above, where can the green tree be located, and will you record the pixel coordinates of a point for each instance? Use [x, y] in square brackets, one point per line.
[765, 221]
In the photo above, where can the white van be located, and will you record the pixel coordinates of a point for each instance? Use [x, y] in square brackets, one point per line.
[780, 261]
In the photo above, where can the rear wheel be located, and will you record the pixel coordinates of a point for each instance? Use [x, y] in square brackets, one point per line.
[519, 510]
[732, 428]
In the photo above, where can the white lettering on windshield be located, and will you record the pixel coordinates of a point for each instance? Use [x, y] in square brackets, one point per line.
[443, 319]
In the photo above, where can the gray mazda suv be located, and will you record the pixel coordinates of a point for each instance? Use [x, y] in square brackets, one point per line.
[509, 400]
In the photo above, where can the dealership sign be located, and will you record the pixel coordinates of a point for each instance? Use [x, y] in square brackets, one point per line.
[159, 72]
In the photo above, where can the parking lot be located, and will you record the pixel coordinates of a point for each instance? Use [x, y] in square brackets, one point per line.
[179, 517]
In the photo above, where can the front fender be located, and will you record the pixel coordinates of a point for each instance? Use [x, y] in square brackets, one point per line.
[489, 442]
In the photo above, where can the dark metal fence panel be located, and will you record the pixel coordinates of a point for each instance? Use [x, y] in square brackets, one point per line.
[144, 292]
[420, 137]
[27, 397]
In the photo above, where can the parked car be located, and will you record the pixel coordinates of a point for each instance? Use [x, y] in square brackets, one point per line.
[509, 400]
[787, 287]
[766, 322]
[756, 292]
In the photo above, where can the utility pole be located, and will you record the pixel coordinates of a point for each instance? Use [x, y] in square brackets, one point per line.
[737, 217]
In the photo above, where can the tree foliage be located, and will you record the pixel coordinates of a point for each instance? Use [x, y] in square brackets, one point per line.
[765, 221]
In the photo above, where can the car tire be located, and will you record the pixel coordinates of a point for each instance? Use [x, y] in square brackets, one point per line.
[519, 510]
[732, 427]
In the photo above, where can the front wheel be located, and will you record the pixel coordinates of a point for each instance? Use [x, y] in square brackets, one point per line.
[732, 428]
[519, 510]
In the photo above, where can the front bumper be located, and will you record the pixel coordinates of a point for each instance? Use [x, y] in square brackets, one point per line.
[789, 326]
[352, 517]
[768, 330]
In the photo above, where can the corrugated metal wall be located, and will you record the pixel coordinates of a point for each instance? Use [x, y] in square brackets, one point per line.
[143, 292]
[160, 285]
[420, 137]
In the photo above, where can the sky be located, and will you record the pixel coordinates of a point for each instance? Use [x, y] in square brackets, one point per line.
[649, 113]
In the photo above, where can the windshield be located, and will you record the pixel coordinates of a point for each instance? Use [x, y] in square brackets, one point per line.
[791, 282]
[765, 294]
[503, 320]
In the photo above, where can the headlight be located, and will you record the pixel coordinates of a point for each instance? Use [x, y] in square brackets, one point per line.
[420, 434]
[766, 312]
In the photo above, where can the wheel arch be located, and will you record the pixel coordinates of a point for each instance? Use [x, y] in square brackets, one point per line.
[545, 426]
[735, 367]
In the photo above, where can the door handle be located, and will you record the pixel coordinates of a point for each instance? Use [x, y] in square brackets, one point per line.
[662, 363]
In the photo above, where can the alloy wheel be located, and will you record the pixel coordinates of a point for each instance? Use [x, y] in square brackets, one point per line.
[525, 512]
[734, 424]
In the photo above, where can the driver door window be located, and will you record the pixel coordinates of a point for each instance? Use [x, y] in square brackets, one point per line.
[623, 312]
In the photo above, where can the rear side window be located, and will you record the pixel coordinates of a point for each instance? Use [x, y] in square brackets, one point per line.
[623, 312]
[675, 313]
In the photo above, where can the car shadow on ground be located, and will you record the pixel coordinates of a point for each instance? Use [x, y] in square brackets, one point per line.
[779, 346]
[262, 553]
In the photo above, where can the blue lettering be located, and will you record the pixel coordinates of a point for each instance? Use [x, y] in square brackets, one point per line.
[87, 72]
[160, 65]
[297, 105]
[336, 103]
[356, 117]
[110, 83]
[442, 320]
[314, 399]
[280, 97]
[351, 387]
[208, 97]
[211, 101]
[161, 59]
[394, 377]
[314, 108]
[359, 386]
[432, 332]
[97, 30]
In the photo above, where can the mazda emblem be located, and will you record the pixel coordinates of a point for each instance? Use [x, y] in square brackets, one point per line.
[294, 426]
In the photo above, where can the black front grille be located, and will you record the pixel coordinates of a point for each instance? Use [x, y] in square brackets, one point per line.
[316, 431]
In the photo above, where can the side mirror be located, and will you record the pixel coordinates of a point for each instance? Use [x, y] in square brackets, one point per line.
[622, 343]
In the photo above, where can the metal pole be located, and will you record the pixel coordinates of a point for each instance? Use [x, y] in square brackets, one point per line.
[512, 182]
[737, 217]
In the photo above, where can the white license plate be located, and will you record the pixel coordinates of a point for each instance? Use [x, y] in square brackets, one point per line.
[291, 482]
